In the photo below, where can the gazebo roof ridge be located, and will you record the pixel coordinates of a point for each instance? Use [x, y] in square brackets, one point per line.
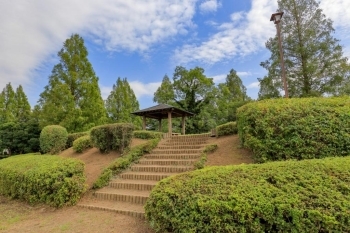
[160, 111]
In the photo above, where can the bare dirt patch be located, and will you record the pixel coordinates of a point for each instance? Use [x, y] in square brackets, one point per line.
[228, 152]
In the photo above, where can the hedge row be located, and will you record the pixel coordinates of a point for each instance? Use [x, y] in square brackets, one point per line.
[283, 129]
[144, 134]
[124, 162]
[82, 143]
[290, 196]
[203, 159]
[53, 139]
[42, 179]
[112, 136]
[74, 136]
[229, 128]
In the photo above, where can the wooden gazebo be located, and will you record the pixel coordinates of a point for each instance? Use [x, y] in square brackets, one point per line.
[163, 111]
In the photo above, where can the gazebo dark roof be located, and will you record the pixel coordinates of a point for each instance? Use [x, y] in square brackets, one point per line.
[160, 111]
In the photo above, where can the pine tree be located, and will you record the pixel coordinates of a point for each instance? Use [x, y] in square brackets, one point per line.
[165, 93]
[231, 95]
[22, 110]
[7, 104]
[72, 98]
[314, 60]
[121, 102]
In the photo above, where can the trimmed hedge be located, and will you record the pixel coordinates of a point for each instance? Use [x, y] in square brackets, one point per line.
[290, 196]
[283, 129]
[203, 159]
[112, 136]
[124, 162]
[82, 143]
[74, 136]
[53, 139]
[144, 134]
[229, 128]
[45, 179]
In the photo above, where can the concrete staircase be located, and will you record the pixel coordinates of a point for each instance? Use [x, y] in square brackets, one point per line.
[127, 193]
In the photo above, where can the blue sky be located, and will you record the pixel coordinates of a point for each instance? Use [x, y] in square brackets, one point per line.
[143, 40]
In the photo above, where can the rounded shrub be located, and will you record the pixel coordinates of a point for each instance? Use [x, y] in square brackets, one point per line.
[53, 139]
[73, 136]
[229, 128]
[82, 143]
[289, 196]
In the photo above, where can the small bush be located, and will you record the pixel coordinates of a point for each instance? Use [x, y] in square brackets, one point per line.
[124, 162]
[82, 143]
[45, 179]
[306, 128]
[53, 139]
[226, 129]
[144, 134]
[289, 196]
[203, 159]
[74, 136]
[112, 137]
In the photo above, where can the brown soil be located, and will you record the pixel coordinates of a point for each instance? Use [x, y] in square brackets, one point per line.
[94, 161]
[228, 152]
[16, 216]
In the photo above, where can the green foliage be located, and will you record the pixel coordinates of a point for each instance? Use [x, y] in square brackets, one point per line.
[112, 136]
[82, 143]
[289, 196]
[42, 179]
[53, 139]
[124, 162]
[191, 91]
[143, 134]
[226, 129]
[20, 137]
[7, 104]
[121, 102]
[305, 128]
[314, 60]
[203, 159]
[72, 98]
[73, 136]
[22, 111]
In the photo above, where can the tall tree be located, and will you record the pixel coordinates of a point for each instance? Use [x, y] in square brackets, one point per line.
[72, 98]
[314, 60]
[22, 107]
[231, 95]
[193, 92]
[7, 104]
[121, 102]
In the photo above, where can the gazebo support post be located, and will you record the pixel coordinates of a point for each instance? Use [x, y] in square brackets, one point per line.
[144, 123]
[160, 124]
[170, 127]
[183, 125]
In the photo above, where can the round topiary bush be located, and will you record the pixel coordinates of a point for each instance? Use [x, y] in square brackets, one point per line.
[53, 139]
[290, 196]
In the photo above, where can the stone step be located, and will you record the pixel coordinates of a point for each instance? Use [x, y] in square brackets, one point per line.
[185, 162]
[132, 184]
[123, 195]
[145, 175]
[202, 144]
[160, 168]
[134, 210]
[179, 147]
[193, 141]
[187, 151]
[171, 156]
[192, 136]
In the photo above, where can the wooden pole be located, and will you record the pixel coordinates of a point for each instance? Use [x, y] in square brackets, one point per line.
[160, 125]
[183, 125]
[170, 127]
[144, 123]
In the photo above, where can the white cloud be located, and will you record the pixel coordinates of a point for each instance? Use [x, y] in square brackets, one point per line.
[253, 85]
[242, 74]
[32, 31]
[209, 6]
[235, 38]
[144, 89]
[221, 77]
